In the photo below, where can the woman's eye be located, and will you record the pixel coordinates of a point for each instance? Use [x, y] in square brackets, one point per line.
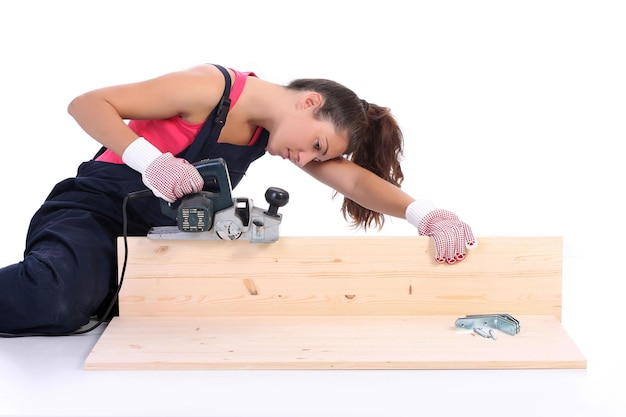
[317, 145]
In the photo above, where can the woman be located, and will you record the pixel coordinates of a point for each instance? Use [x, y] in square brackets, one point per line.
[69, 267]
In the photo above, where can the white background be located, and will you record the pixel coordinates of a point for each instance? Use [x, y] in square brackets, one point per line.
[512, 112]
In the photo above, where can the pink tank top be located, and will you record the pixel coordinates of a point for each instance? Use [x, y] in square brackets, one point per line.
[174, 134]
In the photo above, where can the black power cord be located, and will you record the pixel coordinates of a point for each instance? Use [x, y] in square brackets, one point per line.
[88, 328]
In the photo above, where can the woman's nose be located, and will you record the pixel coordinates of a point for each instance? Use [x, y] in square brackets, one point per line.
[304, 158]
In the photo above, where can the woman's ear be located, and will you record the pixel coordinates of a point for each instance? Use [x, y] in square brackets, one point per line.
[312, 99]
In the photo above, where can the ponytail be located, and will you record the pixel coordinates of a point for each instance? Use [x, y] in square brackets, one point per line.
[378, 150]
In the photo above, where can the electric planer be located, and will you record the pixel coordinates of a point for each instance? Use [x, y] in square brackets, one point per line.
[213, 214]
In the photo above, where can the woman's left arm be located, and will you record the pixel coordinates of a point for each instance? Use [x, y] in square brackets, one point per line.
[451, 236]
[361, 186]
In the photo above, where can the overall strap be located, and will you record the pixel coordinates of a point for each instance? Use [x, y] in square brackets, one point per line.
[213, 125]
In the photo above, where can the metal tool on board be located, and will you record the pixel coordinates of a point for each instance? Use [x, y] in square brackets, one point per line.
[484, 324]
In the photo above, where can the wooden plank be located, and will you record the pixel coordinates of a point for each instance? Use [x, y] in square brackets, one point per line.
[334, 303]
[339, 276]
[325, 342]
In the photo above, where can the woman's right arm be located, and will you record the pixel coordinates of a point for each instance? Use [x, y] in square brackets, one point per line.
[191, 94]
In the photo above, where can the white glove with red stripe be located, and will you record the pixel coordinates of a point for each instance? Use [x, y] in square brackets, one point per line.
[168, 177]
[451, 235]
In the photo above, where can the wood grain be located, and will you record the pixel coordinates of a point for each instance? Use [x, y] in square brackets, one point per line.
[325, 342]
[339, 276]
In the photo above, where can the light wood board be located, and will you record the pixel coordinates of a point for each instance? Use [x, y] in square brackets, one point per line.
[338, 276]
[324, 342]
[334, 303]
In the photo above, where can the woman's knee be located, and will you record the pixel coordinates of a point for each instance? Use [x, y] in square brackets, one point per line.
[42, 300]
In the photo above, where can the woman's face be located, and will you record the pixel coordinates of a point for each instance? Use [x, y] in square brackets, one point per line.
[301, 138]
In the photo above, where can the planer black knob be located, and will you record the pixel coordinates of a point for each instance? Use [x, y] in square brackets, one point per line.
[276, 197]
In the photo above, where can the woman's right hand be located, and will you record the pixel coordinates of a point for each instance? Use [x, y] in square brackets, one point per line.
[168, 177]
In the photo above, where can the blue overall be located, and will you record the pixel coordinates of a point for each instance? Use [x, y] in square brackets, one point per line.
[69, 271]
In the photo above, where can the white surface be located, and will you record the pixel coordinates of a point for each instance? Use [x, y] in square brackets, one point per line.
[44, 377]
[513, 115]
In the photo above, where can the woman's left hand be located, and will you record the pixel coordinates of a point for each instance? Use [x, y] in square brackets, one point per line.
[451, 235]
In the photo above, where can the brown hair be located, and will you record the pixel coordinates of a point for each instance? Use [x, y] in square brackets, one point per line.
[376, 141]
